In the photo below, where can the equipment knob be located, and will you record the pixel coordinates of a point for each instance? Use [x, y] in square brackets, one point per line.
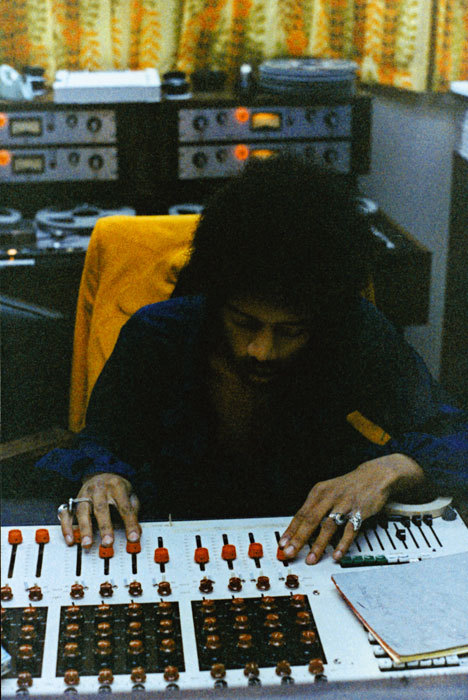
[199, 159]
[72, 655]
[134, 611]
[241, 622]
[35, 593]
[94, 125]
[74, 613]
[206, 585]
[200, 123]
[106, 589]
[96, 161]
[133, 547]
[104, 613]
[77, 590]
[164, 607]
[135, 650]
[303, 618]
[308, 637]
[221, 157]
[298, 601]
[106, 552]
[104, 630]
[171, 674]
[283, 668]
[251, 669]
[166, 627]
[208, 607]
[255, 550]
[268, 603]
[29, 614]
[71, 677]
[6, 593]
[167, 646]
[263, 583]
[161, 555]
[24, 680]
[105, 677]
[272, 621]
[103, 651]
[238, 605]
[25, 656]
[235, 584]
[218, 671]
[164, 588]
[228, 552]
[244, 641]
[138, 675]
[28, 634]
[292, 581]
[71, 120]
[210, 624]
[135, 629]
[135, 589]
[15, 537]
[212, 642]
[316, 666]
[331, 120]
[276, 639]
[42, 536]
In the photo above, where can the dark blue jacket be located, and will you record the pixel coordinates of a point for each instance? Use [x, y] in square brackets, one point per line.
[149, 418]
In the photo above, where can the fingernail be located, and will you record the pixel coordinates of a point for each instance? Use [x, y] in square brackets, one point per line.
[283, 541]
[337, 555]
[68, 539]
[311, 559]
[107, 540]
[86, 541]
[289, 550]
[132, 536]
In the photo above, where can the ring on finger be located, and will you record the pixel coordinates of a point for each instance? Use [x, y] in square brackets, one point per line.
[338, 518]
[355, 519]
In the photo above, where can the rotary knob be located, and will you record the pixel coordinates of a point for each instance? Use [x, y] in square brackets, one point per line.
[25, 657]
[74, 614]
[30, 615]
[208, 607]
[94, 125]
[71, 677]
[235, 584]
[167, 646]
[24, 680]
[263, 583]
[135, 630]
[164, 588]
[316, 666]
[210, 624]
[272, 621]
[244, 642]
[164, 608]
[171, 674]
[251, 670]
[72, 632]
[303, 618]
[135, 651]
[134, 611]
[268, 603]
[199, 160]
[276, 639]
[283, 668]
[166, 627]
[238, 605]
[135, 589]
[105, 677]
[138, 675]
[28, 635]
[308, 637]
[72, 655]
[77, 591]
[212, 642]
[6, 593]
[35, 593]
[218, 671]
[241, 622]
[206, 585]
[292, 581]
[104, 613]
[106, 589]
[104, 630]
[103, 651]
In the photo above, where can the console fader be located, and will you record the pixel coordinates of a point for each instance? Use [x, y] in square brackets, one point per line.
[197, 605]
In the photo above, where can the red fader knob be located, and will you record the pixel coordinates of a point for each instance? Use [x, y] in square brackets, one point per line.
[280, 555]
[201, 555]
[161, 555]
[228, 552]
[106, 552]
[42, 536]
[15, 537]
[255, 550]
[134, 547]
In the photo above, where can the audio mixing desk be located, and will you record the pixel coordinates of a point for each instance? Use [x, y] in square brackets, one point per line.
[201, 605]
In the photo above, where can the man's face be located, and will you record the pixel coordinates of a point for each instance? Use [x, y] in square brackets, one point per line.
[263, 340]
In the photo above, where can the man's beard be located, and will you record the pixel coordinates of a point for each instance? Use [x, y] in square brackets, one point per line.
[268, 373]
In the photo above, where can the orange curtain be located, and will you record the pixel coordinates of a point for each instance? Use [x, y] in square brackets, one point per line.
[390, 40]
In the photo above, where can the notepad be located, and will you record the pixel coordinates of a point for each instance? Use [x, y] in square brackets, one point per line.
[415, 611]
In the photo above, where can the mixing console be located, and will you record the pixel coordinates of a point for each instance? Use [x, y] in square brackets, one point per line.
[200, 604]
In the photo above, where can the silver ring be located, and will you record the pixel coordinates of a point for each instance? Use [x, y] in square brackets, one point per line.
[61, 508]
[356, 520]
[338, 518]
[71, 505]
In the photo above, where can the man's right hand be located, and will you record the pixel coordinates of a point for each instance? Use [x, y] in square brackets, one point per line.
[103, 490]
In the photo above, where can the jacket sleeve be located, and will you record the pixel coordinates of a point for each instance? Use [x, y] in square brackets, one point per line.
[399, 394]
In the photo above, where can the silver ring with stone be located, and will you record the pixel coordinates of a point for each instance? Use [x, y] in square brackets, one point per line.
[338, 518]
[356, 520]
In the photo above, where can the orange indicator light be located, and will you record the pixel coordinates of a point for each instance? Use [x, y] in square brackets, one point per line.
[3, 120]
[242, 114]
[241, 151]
[5, 158]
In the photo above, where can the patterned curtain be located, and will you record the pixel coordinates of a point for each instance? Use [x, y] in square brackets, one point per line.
[389, 39]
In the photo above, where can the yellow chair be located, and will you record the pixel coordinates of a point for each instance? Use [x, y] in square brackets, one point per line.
[131, 261]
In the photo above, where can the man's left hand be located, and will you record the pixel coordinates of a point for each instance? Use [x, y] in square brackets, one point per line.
[365, 490]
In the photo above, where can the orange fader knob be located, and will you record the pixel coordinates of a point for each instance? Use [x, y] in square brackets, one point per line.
[201, 555]
[133, 547]
[161, 555]
[42, 536]
[255, 550]
[15, 537]
[280, 555]
[77, 536]
[106, 552]
[228, 552]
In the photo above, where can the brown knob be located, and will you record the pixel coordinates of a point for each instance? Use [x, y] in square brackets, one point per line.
[212, 642]
[283, 668]
[166, 626]
[272, 621]
[105, 677]
[241, 622]
[35, 593]
[72, 653]
[135, 589]
[28, 634]
[316, 666]
[164, 607]
[74, 614]
[77, 590]
[292, 581]
[167, 646]
[135, 648]
[263, 583]
[218, 671]
[30, 615]
[106, 589]
[72, 632]
[135, 629]
[303, 618]
[244, 641]
[268, 603]
[164, 588]
[103, 649]
[235, 584]
[6, 593]
[24, 680]
[26, 653]
[298, 601]
[138, 675]
[134, 611]
[104, 630]
[206, 585]
[208, 607]
[71, 677]
[104, 613]
[308, 637]
[276, 639]
[171, 674]
[238, 605]
[210, 624]
[251, 669]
